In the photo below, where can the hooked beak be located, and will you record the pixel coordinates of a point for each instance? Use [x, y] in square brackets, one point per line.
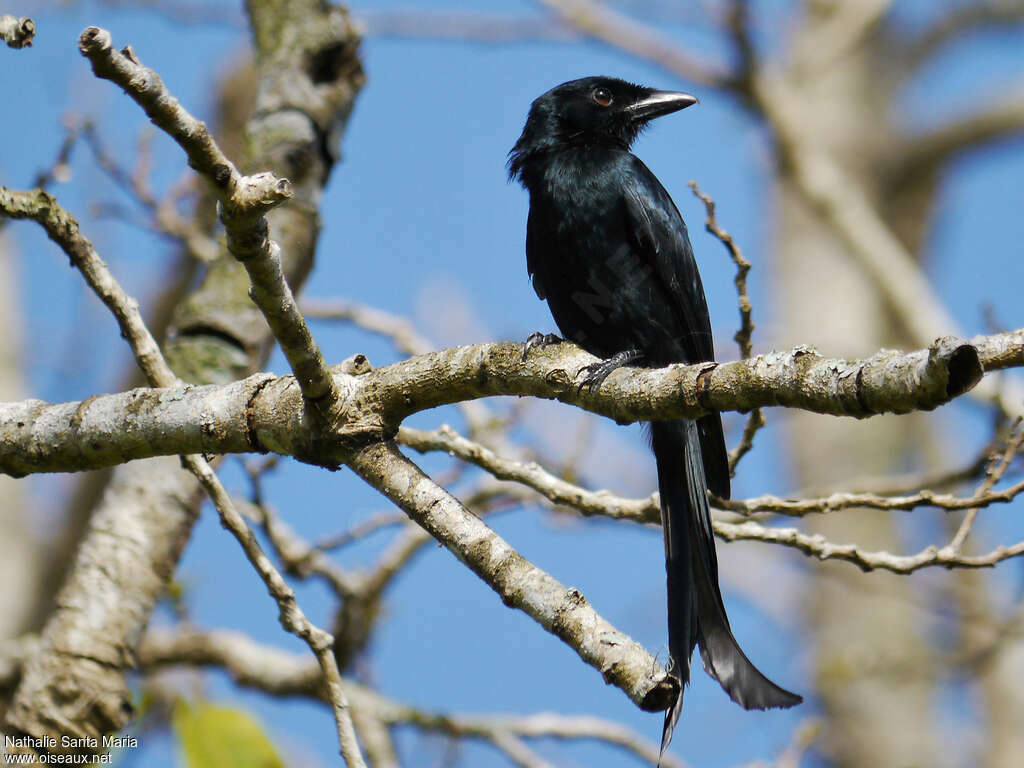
[658, 103]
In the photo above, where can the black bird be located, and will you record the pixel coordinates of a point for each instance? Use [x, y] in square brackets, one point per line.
[608, 250]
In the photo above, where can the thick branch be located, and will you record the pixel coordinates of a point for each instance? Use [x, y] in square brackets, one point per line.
[264, 413]
[561, 610]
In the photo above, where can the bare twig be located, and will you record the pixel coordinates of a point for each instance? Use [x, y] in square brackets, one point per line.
[819, 547]
[515, 750]
[60, 170]
[164, 218]
[840, 501]
[296, 555]
[360, 530]
[292, 617]
[607, 504]
[532, 475]
[743, 336]
[992, 476]
[397, 329]
[646, 510]
[746, 330]
[902, 484]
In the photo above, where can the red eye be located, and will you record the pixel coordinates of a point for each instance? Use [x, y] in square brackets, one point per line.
[602, 96]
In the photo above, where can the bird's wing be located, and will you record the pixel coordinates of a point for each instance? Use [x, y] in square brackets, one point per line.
[533, 251]
[662, 242]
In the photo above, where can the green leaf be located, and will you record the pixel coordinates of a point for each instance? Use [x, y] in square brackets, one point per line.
[222, 737]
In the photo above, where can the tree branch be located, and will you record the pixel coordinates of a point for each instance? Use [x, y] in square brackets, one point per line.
[465, 26]
[560, 610]
[743, 336]
[961, 20]
[532, 475]
[601, 22]
[264, 413]
[818, 546]
[923, 153]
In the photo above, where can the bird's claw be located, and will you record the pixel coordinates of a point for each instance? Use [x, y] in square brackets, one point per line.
[597, 372]
[539, 339]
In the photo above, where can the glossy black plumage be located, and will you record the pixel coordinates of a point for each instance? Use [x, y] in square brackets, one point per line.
[609, 252]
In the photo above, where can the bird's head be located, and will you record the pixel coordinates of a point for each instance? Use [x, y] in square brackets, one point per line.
[595, 111]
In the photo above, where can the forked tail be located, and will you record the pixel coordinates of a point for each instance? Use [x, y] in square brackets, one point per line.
[696, 614]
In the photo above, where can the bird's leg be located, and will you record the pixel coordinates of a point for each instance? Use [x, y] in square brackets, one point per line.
[539, 339]
[598, 372]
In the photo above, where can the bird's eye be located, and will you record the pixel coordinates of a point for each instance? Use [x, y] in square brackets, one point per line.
[602, 96]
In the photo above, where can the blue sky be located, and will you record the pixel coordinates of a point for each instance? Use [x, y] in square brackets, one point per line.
[419, 220]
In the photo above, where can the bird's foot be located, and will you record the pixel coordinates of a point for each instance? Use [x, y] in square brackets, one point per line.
[596, 373]
[541, 340]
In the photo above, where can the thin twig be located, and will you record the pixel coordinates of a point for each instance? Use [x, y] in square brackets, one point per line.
[60, 170]
[818, 546]
[360, 530]
[163, 216]
[994, 474]
[532, 475]
[743, 336]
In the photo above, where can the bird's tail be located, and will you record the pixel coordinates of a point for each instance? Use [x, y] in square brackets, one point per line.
[696, 614]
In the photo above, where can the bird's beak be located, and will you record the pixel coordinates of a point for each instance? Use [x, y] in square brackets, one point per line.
[658, 103]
